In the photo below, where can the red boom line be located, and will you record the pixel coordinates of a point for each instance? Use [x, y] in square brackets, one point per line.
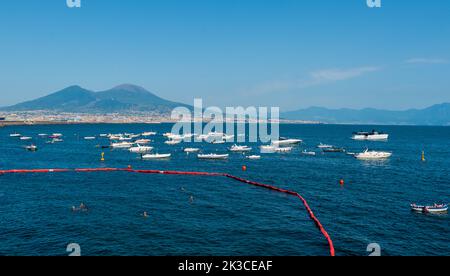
[273, 188]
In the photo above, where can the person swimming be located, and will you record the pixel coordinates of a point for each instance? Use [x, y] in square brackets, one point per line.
[145, 214]
[191, 199]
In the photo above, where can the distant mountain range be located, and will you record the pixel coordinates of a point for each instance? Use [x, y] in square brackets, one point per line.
[127, 98]
[434, 115]
[121, 99]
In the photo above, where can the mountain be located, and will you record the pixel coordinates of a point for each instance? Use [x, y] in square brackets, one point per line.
[121, 99]
[434, 115]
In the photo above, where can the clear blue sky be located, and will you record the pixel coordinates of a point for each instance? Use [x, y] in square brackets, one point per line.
[287, 53]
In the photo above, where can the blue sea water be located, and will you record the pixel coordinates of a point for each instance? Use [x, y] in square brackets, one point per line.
[226, 217]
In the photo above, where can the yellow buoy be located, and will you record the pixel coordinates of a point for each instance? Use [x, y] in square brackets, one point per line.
[423, 156]
[103, 157]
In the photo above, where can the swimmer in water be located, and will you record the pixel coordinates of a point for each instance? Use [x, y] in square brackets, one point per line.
[145, 215]
[191, 199]
[83, 207]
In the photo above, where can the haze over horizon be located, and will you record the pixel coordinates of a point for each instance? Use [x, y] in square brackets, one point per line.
[288, 53]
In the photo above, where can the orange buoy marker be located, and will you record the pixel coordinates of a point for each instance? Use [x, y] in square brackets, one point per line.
[244, 168]
[103, 157]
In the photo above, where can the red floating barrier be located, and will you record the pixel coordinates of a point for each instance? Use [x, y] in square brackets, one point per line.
[129, 169]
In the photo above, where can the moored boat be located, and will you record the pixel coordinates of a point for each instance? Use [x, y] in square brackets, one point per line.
[236, 148]
[370, 136]
[156, 156]
[436, 208]
[213, 156]
[140, 149]
[121, 145]
[373, 155]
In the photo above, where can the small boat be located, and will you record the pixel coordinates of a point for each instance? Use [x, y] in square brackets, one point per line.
[370, 136]
[25, 138]
[172, 142]
[56, 140]
[323, 146]
[89, 138]
[42, 135]
[268, 149]
[254, 157]
[333, 149]
[373, 155]
[287, 142]
[15, 135]
[228, 137]
[435, 209]
[121, 145]
[156, 156]
[143, 141]
[32, 148]
[213, 156]
[283, 150]
[218, 142]
[191, 150]
[103, 135]
[236, 148]
[146, 134]
[127, 138]
[310, 153]
[57, 135]
[140, 149]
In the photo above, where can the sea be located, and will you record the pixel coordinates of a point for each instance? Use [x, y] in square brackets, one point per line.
[216, 216]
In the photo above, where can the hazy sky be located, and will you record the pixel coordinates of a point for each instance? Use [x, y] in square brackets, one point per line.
[287, 53]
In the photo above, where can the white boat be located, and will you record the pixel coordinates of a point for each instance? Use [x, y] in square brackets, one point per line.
[15, 135]
[287, 142]
[103, 135]
[156, 156]
[268, 149]
[125, 138]
[370, 136]
[254, 157]
[89, 138]
[202, 137]
[236, 148]
[218, 142]
[228, 137]
[143, 141]
[146, 134]
[25, 138]
[121, 145]
[114, 137]
[213, 156]
[42, 135]
[191, 150]
[140, 149]
[310, 153]
[56, 140]
[436, 208]
[323, 146]
[373, 155]
[172, 142]
[283, 150]
[57, 135]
